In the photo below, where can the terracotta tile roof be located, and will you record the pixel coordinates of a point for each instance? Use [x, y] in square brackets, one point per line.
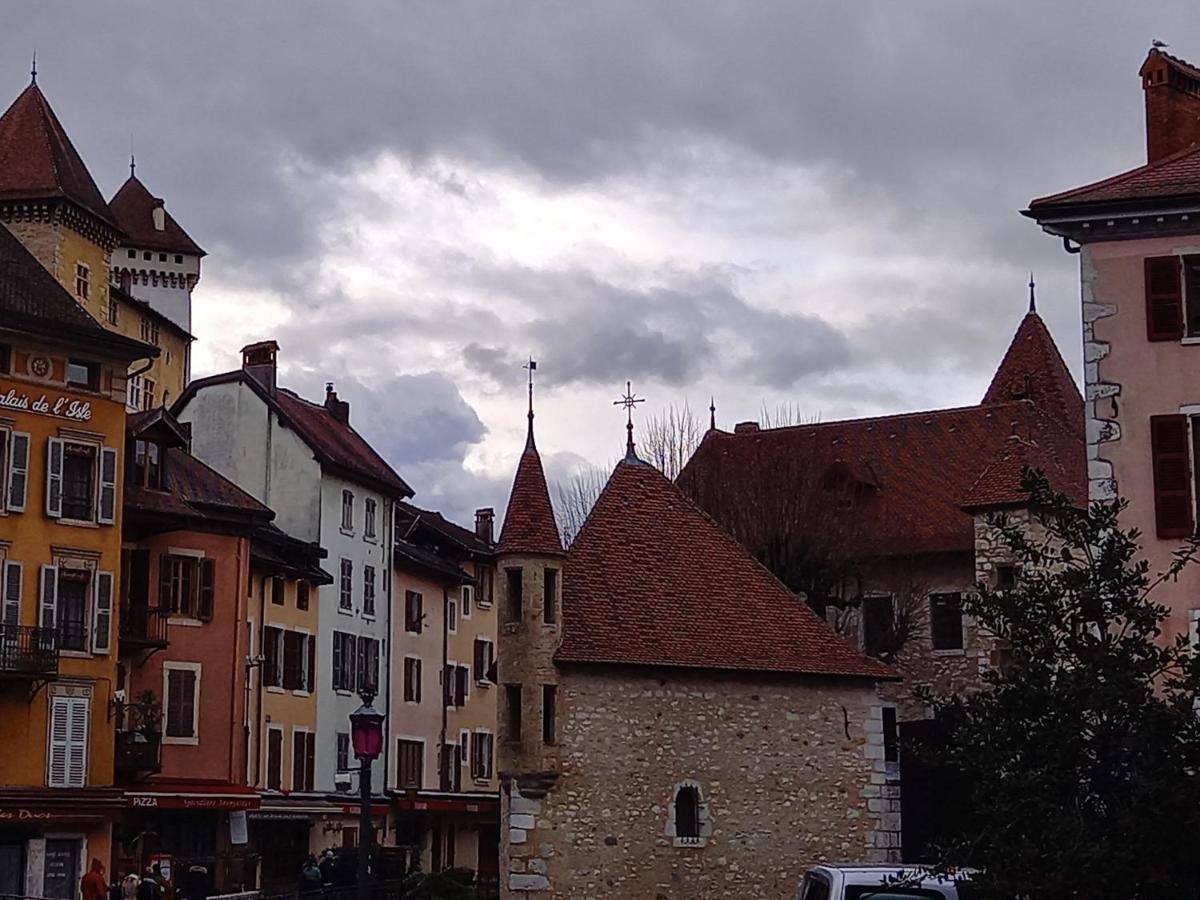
[529, 525]
[1033, 369]
[133, 207]
[1177, 175]
[32, 300]
[37, 159]
[412, 519]
[999, 484]
[651, 580]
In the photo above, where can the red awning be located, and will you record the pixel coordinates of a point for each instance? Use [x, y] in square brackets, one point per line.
[446, 804]
[192, 795]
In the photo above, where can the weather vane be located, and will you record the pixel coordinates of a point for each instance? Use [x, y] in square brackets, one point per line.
[532, 367]
[629, 401]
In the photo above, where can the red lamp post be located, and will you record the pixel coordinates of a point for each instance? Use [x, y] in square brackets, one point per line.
[366, 736]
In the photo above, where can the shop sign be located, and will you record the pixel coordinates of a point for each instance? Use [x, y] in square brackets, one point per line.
[26, 815]
[176, 802]
[46, 405]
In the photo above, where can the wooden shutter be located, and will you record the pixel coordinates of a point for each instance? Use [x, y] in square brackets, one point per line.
[12, 593]
[59, 728]
[208, 582]
[271, 657]
[77, 740]
[49, 596]
[1172, 476]
[337, 661]
[373, 664]
[274, 759]
[310, 760]
[102, 613]
[188, 702]
[107, 507]
[460, 685]
[480, 665]
[18, 471]
[1164, 298]
[298, 754]
[166, 602]
[54, 477]
[310, 682]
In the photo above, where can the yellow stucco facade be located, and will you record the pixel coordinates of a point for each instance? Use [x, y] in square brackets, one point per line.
[476, 621]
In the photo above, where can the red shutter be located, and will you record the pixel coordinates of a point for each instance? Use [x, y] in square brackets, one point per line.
[1164, 299]
[1172, 476]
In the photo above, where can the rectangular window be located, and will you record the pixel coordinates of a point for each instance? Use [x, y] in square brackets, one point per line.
[272, 668]
[113, 311]
[512, 712]
[481, 755]
[549, 697]
[278, 590]
[945, 616]
[891, 737]
[412, 679]
[83, 282]
[1006, 578]
[182, 689]
[369, 518]
[550, 596]
[877, 625]
[346, 585]
[410, 764]
[451, 615]
[83, 374]
[451, 767]
[71, 608]
[147, 393]
[368, 664]
[274, 759]
[483, 661]
[1164, 299]
[10, 593]
[347, 511]
[187, 585]
[1169, 451]
[462, 685]
[486, 578]
[345, 661]
[368, 591]
[343, 751]
[147, 468]
[67, 751]
[294, 661]
[79, 481]
[304, 745]
[468, 600]
[413, 614]
[515, 607]
[302, 589]
[133, 392]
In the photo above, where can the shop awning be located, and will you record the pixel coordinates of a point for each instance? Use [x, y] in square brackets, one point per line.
[48, 806]
[440, 801]
[191, 795]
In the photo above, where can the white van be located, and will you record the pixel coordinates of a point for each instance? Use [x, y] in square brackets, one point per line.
[871, 883]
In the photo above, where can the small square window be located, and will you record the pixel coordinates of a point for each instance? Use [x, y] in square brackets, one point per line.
[162, 257]
[83, 374]
[146, 254]
[132, 254]
[179, 259]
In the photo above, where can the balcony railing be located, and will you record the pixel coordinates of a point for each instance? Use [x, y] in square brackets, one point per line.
[139, 739]
[143, 627]
[28, 652]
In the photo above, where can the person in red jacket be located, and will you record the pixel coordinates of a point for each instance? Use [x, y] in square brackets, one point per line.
[92, 885]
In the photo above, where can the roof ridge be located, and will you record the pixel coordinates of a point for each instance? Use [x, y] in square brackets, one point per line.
[976, 407]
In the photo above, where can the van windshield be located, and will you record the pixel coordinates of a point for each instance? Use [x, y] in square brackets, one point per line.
[816, 887]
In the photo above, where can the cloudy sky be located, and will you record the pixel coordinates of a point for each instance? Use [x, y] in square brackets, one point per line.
[803, 204]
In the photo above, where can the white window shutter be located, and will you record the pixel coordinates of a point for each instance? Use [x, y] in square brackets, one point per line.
[54, 473]
[58, 739]
[12, 593]
[102, 613]
[49, 596]
[107, 505]
[18, 471]
[77, 741]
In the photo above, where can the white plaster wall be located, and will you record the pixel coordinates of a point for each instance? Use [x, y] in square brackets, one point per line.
[174, 303]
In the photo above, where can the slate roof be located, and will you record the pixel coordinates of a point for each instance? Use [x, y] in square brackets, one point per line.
[336, 445]
[410, 519]
[133, 207]
[529, 525]
[650, 580]
[406, 555]
[195, 491]
[38, 160]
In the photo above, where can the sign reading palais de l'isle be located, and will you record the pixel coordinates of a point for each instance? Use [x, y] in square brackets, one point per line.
[63, 407]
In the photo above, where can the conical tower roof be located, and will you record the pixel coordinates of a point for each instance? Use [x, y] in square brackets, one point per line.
[1033, 369]
[133, 207]
[529, 525]
[38, 160]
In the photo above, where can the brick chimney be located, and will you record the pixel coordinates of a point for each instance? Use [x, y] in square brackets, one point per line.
[745, 428]
[1172, 89]
[339, 409]
[485, 520]
[258, 361]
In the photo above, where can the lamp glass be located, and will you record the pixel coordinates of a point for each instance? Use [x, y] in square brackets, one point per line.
[366, 732]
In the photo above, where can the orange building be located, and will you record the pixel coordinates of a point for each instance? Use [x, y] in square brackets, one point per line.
[62, 436]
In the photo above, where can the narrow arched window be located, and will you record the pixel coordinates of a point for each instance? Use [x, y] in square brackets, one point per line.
[687, 812]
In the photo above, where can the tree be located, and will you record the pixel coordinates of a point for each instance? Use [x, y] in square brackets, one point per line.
[1080, 757]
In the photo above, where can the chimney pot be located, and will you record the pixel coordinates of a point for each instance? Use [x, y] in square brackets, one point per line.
[339, 409]
[745, 428]
[485, 518]
[1172, 94]
[258, 362]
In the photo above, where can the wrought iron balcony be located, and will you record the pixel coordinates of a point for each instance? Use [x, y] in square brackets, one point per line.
[28, 652]
[139, 739]
[142, 628]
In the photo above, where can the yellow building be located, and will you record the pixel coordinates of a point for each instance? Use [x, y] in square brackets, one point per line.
[62, 434]
[49, 200]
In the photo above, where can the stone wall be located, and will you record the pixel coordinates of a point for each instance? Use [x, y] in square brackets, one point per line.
[791, 773]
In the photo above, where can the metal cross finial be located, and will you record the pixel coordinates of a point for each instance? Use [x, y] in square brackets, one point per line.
[1032, 300]
[629, 401]
[531, 366]
[33, 70]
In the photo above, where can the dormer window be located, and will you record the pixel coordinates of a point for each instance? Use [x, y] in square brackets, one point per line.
[147, 465]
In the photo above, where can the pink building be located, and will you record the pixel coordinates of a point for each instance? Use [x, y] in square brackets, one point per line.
[1137, 235]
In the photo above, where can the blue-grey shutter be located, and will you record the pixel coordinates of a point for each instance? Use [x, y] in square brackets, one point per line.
[108, 486]
[18, 471]
[49, 596]
[102, 613]
[54, 476]
[12, 593]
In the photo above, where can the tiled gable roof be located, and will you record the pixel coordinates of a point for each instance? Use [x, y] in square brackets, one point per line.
[37, 159]
[133, 207]
[1177, 175]
[411, 519]
[195, 491]
[529, 525]
[650, 580]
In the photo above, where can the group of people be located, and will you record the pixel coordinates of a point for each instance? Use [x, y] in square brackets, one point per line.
[331, 870]
[151, 886]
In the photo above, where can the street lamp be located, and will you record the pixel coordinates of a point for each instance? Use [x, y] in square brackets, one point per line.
[366, 735]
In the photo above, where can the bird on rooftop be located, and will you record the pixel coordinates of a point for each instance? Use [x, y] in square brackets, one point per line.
[1158, 45]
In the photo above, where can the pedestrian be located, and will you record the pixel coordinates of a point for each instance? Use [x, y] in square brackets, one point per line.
[129, 886]
[195, 883]
[149, 888]
[310, 876]
[328, 868]
[92, 886]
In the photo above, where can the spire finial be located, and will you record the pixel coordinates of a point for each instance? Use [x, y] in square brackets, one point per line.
[629, 401]
[531, 366]
[33, 69]
[712, 413]
[1032, 299]
[132, 161]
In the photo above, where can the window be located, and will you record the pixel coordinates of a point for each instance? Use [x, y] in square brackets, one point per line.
[278, 589]
[877, 625]
[368, 591]
[14, 470]
[549, 696]
[412, 679]
[295, 661]
[413, 615]
[10, 592]
[891, 737]
[512, 712]
[550, 596]
[410, 764]
[132, 254]
[83, 282]
[513, 585]
[302, 588]
[484, 661]
[304, 752]
[482, 753]
[186, 586]
[687, 812]
[182, 690]
[83, 374]
[945, 616]
[5, 358]
[149, 330]
[67, 752]
[147, 255]
[346, 585]
[368, 664]
[468, 600]
[272, 667]
[274, 758]
[451, 769]
[133, 392]
[369, 518]
[456, 684]
[78, 481]
[147, 393]
[178, 259]
[347, 511]
[345, 661]
[113, 311]
[81, 481]
[486, 577]
[1006, 578]
[343, 751]
[64, 603]
[147, 468]
[451, 615]
[162, 257]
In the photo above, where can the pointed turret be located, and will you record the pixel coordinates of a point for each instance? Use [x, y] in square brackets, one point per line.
[146, 222]
[529, 525]
[1033, 369]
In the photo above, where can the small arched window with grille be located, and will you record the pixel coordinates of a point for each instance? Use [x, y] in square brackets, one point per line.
[687, 812]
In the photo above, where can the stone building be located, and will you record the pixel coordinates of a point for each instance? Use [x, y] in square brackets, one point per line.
[673, 724]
